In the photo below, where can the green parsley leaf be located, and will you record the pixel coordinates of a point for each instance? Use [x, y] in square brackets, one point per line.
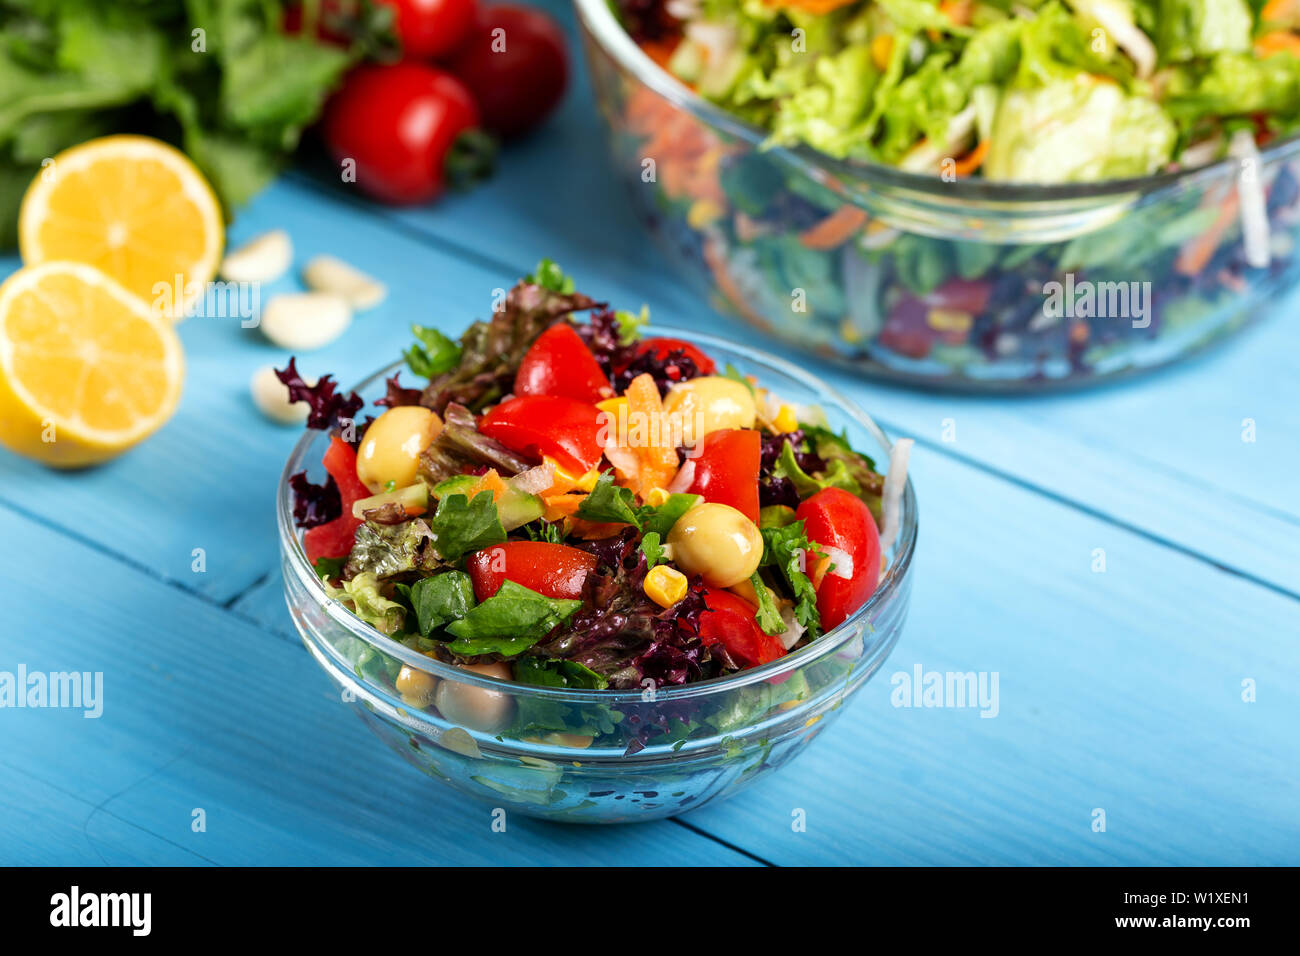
[768, 617]
[550, 276]
[460, 525]
[661, 518]
[789, 551]
[652, 549]
[511, 621]
[630, 324]
[432, 354]
[836, 475]
[609, 503]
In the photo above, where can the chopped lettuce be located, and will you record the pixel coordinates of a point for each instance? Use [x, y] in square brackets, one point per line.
[362, 593]
[1077, 130]
[1187, 29]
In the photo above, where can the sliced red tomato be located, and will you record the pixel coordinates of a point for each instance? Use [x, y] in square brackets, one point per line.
[662, 346]
[556, 570]
[837, 519]
[726, 469]
[559, 363]
[730, 621]
[540, 425]
[334, 539]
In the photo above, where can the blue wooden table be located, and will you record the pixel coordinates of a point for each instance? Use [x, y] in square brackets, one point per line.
[1126, 691]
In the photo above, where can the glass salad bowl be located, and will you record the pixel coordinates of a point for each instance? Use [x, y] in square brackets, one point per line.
[591, 756]
[943, 281]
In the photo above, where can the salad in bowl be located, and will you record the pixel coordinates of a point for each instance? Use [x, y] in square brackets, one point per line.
[977, 194]
[583, 537]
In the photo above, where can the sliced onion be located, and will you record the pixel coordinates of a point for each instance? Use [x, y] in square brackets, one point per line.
[1250, 191]
[891, 502]
[684, 479]
[793, 629]
[841, 563]
[535, 480]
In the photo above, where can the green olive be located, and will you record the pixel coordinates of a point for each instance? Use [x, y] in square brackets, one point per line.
[390, 450]
[718, 543]
[476, 707]
[416, 686]
[704, 405]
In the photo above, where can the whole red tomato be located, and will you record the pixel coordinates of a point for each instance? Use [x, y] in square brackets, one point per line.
[514, 63]
[432, 28]
[399, 124]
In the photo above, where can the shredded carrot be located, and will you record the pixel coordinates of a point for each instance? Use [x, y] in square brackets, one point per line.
[1197, 253]
[957, 11]
[561, 506]
[655, 453]
[489, 481]
[1279, 41]
[972, 160]
[660, 51]
[1276, 11]
[835, 230]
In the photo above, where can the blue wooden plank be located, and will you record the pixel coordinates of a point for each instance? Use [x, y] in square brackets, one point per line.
[201, 710]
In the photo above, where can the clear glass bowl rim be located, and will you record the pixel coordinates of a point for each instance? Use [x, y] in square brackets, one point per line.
[600, 22]
[828, 643]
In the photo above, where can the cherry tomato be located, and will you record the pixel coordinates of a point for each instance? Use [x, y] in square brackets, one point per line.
[661, 346]
[432, 28]
[515, 64]
[730, 621]
[539, 425]
[726, 469]
[837, 519]
[399, 124]
[556, 570]
[559, 363]
[334, 539]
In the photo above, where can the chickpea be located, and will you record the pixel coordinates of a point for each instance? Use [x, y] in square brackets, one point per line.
[475, 707]
[390, 450]
[704, 405]
[416, 687]
[718, 543]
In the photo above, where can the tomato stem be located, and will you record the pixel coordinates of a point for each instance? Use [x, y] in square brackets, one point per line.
[471, 159]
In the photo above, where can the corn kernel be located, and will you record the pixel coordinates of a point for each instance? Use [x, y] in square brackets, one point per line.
[703, 212]
[665, 586]
[785, 420]
[949, 320]
[612, 405]
[882, 50]
[656, 497]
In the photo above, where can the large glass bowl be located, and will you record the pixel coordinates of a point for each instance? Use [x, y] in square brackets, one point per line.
[935, 281]
[611, 756]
